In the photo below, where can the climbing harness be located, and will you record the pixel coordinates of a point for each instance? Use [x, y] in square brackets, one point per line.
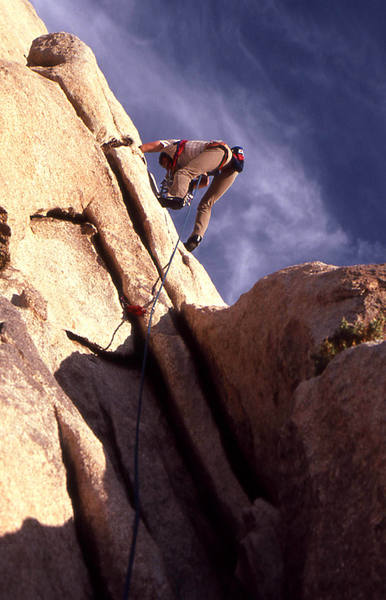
[139, 409]
[225, 157]
[179, 150]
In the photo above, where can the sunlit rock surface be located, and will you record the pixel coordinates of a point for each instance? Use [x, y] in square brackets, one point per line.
[243, 451]
[19, 25]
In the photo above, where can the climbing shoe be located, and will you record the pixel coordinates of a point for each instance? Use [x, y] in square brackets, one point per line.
[192, 242]
[172, 202]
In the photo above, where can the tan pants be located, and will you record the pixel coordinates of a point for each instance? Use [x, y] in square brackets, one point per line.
[217, 188]
[207, 161]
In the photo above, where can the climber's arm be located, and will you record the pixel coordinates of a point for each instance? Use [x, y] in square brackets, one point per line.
[151, 146]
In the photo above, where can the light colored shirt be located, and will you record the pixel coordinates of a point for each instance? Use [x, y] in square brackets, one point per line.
[192, 149]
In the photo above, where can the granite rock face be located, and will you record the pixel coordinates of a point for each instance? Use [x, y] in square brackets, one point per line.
[242, 449]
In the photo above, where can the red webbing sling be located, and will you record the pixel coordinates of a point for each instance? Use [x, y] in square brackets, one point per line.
[177, 154]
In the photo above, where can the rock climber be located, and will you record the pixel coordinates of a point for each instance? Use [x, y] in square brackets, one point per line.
[185, 161]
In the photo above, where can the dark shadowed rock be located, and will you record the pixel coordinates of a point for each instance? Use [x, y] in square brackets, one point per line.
[173, 512]
[333, 480]
[260, 561]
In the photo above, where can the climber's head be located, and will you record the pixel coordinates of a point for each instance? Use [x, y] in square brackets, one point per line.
[165, 161]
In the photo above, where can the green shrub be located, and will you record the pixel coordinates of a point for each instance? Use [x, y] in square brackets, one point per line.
[346, 336]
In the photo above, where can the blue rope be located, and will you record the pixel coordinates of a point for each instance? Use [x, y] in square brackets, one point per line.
[139, 410]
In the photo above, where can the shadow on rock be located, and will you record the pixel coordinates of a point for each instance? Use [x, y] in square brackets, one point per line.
[178, 532]
[39, 561]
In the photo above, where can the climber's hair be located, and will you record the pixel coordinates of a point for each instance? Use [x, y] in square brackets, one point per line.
[165, 161]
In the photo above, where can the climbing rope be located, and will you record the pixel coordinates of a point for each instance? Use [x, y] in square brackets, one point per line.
[139, 410]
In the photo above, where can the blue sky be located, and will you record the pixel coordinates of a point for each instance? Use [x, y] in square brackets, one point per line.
[299, 84]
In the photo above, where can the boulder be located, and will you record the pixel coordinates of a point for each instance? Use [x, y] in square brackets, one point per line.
[261, 348]
[52, 180]
[135, 269]
[64, 58]
[73, 249]
[333, 480]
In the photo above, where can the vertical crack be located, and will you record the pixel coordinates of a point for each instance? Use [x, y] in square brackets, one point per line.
[114, 451]
[5, 234]
[132, 211]
[86, 540]
[243, 472]
[107, 260]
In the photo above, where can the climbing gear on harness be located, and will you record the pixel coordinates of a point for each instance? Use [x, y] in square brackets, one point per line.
[139, 410]
[193, 185]
[188, 198]
[238, 156]
[192, 242]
